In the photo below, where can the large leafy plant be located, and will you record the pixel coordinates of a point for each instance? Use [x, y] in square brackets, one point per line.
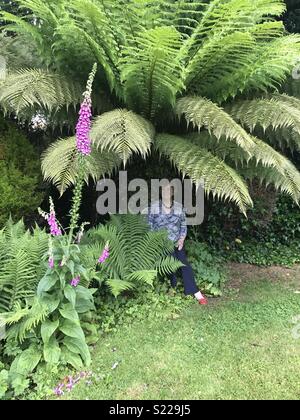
[137, 255]
[48, 327]
[216, 66]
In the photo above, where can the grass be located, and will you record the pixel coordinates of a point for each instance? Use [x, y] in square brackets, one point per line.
[238, 347]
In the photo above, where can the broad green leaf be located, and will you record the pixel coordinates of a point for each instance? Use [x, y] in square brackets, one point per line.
[26, 361]
[71, 358]
[51, 301]
[72, 329]
[76, 346]
[46, 284]
[52, 351]
[70, 294]
[48, 328]
[68, 312]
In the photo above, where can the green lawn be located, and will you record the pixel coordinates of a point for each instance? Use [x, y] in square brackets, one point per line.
[239, 347]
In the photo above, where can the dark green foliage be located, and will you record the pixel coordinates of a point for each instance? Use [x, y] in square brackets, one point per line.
[20, 174]
[207, 266]
[270, 235]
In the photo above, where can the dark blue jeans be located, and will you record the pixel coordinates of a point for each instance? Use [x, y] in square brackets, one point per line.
[188, 277]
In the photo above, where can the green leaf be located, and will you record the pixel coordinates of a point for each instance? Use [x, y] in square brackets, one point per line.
[51, 301]
[71, 358]
[46, 283]
[71, 266]
[52, 351]
[76, 346]
[70, 294]
[47, 329]
[3, 383]
[68, 312]
[72, 329]
[84, 299]
[26, 361]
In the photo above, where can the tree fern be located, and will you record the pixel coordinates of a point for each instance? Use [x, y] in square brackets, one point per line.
[150, 54]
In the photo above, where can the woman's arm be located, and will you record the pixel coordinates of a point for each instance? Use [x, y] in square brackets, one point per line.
[182, 232]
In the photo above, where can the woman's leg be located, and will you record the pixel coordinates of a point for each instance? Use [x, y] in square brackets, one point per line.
[172, 277]
[190, 287]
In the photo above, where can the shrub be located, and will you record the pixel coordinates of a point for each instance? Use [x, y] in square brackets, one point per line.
[19, 174]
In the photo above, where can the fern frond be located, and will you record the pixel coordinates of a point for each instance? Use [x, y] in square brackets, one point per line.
[199, 164]
[272, 63]
[274, 111]
[24, 320]
[122, 132]
[37, 88]
[287, 181]
[201, 112]
[151, 71]
[118, 286]
[136, 254]
[143, 276]
[168, 265]
[203, 73]
[225, 17]
[266, 163]
[20, 264]
[59, 164]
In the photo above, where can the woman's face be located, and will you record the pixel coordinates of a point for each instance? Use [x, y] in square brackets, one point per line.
[167, 193]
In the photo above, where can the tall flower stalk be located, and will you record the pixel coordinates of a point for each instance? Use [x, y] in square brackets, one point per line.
[83, 144]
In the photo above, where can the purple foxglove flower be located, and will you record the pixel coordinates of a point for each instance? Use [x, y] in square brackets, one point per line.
[70, 384]
[59, 390]
[54, 229]
[75, 281]
[105, 255]
[83, 127]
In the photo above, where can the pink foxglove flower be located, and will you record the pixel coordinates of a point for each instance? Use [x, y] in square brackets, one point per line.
[83, 127]
[75, 281]
[104, 255]
[52, 222]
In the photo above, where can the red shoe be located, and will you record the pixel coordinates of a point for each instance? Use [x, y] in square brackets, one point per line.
[203, 301]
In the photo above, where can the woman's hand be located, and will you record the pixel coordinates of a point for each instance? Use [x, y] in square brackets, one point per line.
[180, 244]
